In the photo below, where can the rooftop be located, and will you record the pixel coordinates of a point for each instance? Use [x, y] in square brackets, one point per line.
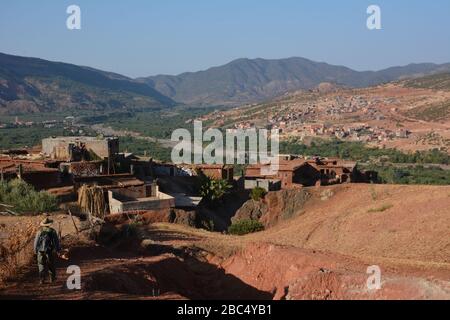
[79, 138]
[284, 165]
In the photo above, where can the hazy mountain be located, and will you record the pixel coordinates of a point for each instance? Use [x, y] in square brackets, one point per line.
[36, 85]
[439, 81]
[246, 80]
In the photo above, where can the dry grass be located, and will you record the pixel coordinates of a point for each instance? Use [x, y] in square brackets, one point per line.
[380, 209]
[16, 251]
[218, 244]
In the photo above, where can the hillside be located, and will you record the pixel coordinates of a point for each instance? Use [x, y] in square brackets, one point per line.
[322, 253]
[436, 82]
[408, 115]
[439, 111]
[385, 222]
[29, 85]
[246, 80]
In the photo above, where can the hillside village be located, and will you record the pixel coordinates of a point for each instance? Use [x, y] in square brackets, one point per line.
[228, 158]
[382, 116]
[142, 227]
[130, 183]
[181, 234]
[139, 227]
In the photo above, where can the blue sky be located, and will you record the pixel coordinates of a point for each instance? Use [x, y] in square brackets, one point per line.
[147, 37]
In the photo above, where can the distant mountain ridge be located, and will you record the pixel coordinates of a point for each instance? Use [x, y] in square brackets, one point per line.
[436, 82]
[30, 85]
[255, 80]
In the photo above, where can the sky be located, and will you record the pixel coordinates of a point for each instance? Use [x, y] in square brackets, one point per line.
[148, 37]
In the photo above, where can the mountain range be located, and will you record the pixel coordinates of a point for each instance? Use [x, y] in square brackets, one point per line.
[246, 80]
[30, 85]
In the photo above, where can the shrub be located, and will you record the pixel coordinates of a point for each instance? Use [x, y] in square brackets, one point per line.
[243, 227]
[208, 225]
[257, 193]
[214, 190]
[24, 198]
[130, 230]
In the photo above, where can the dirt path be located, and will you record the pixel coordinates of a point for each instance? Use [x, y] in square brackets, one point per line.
[163, 269]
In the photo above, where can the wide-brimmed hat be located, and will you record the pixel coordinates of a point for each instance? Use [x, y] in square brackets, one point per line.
[47, 222]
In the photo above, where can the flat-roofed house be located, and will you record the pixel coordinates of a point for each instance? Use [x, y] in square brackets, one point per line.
[71, 148]
[334, 170]
[291, 173]
[216, 171]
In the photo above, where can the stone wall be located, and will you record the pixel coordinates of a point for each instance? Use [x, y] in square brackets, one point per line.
[266, 184]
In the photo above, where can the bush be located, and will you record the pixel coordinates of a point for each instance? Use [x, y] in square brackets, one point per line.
[243, 227]
[130, 230]
[208, 225]
[24, 198]
[214, 190]
[257, 193]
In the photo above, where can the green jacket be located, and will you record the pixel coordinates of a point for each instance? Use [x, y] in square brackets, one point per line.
[53, 236]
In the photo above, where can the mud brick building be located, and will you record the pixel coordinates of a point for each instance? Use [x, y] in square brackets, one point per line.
[335, 170]
[291, 173]
[213, 171]
[69, 148]
[216, 171]
[83, 169]
[125, 200]
[40, 174]
[294, 171]
[171, 170]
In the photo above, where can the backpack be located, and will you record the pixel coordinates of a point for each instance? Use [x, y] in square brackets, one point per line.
[45, 241]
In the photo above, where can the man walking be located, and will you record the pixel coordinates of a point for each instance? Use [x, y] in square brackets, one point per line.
[46, 245]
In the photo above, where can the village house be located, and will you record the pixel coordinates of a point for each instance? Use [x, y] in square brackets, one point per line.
[291, 173]
[334, 170]
[80, 148]
[40, 174]
[216, 171]
[296, 172]
[213, 171]
[148, 198]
